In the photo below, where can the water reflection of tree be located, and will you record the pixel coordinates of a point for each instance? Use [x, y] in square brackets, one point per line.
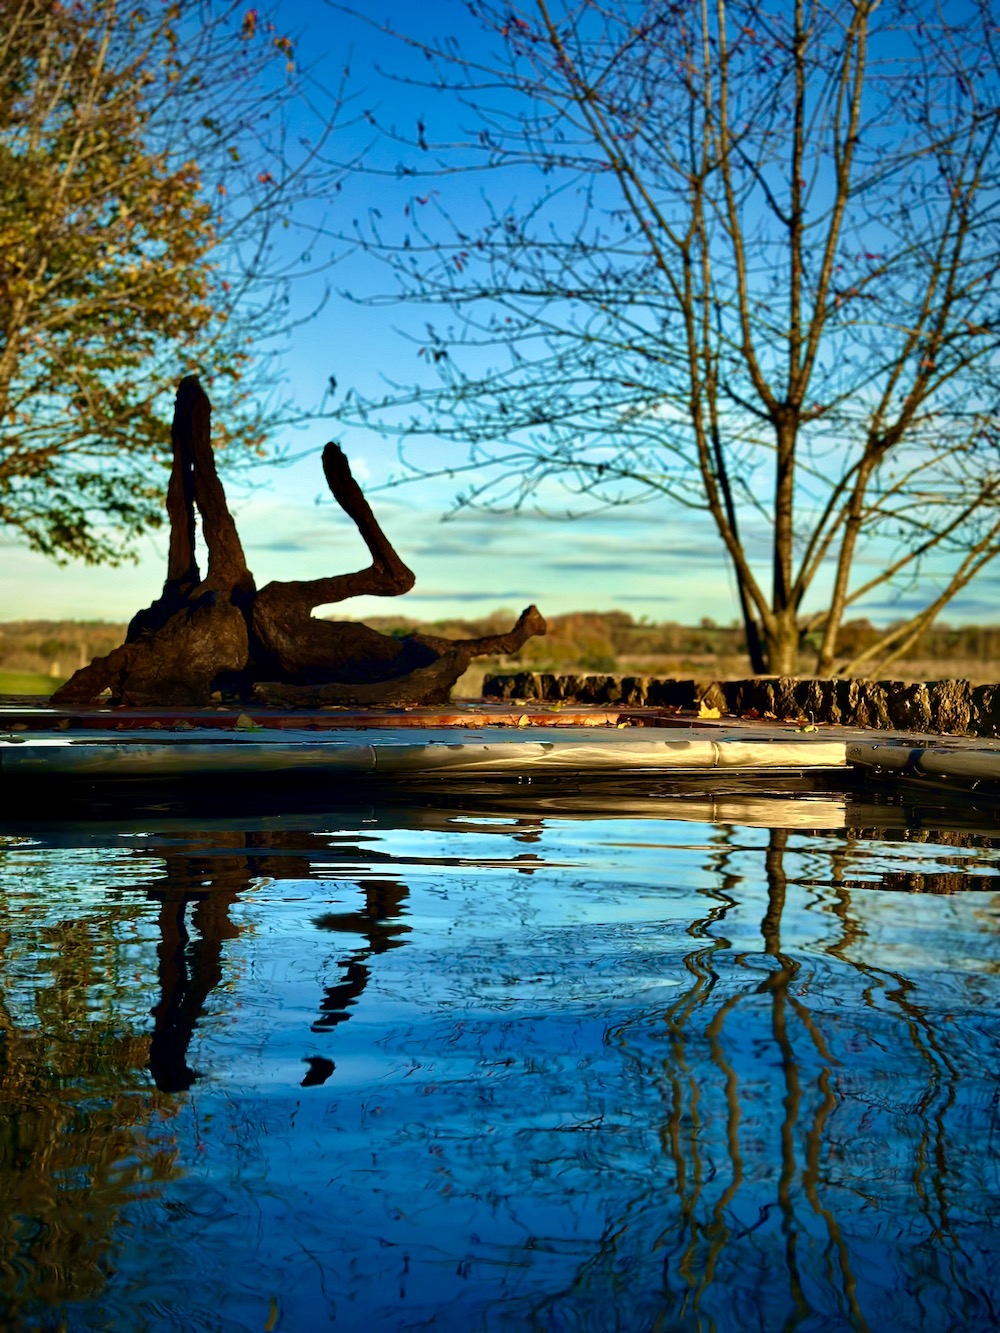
[820, 1104]
[727, 1048]
[930, 1168]
[82, 1135]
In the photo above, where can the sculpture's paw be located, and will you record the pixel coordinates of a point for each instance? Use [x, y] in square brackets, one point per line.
[336, 468]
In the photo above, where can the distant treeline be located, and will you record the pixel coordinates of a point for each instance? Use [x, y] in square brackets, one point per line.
[55, 648]
[589, 640]
[604, 640]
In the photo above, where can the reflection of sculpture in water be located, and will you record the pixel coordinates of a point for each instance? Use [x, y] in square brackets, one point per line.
[378, 925]
[190, 969]
[219, 632]
[83, 1136]
[188, 973]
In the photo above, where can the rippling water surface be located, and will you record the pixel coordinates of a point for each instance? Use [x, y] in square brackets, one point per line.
[630, 1061]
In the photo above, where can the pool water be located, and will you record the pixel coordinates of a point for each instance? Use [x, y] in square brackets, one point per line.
[627, 1061]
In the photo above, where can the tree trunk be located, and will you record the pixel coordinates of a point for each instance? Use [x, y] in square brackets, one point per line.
[783, 648]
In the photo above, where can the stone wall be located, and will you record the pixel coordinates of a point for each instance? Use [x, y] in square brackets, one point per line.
[952, 707]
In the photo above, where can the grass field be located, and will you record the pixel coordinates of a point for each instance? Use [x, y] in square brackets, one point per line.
[27, 682]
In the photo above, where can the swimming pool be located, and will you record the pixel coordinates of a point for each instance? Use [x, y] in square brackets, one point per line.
[524, 1058]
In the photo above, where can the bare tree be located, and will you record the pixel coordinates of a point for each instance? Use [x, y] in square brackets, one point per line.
[754, 279]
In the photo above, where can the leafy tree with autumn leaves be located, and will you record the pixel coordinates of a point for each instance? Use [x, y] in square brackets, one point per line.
[144, 165]
[738, 258]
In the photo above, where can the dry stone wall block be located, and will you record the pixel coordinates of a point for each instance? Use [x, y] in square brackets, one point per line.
[712, 695]
[985, 707]
[950, 702]
[952, 707]
[635, 690]
[909, 706]
[871, 705]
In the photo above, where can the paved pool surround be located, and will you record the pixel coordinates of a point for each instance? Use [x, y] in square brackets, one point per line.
[515, 738]
[947, 707]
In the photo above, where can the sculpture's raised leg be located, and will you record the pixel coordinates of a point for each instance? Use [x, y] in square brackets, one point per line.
[195, 633]
[292, 646]
[341, 662]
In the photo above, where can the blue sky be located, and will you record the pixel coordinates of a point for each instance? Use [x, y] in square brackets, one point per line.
[644, 559]
[651, 559]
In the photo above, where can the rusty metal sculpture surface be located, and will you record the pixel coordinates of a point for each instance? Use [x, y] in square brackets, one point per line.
[219, 633]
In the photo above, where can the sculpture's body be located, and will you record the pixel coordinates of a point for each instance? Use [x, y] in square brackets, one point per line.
[219, 632]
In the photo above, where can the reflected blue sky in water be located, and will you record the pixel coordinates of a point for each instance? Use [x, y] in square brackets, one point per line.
[494, 1069]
